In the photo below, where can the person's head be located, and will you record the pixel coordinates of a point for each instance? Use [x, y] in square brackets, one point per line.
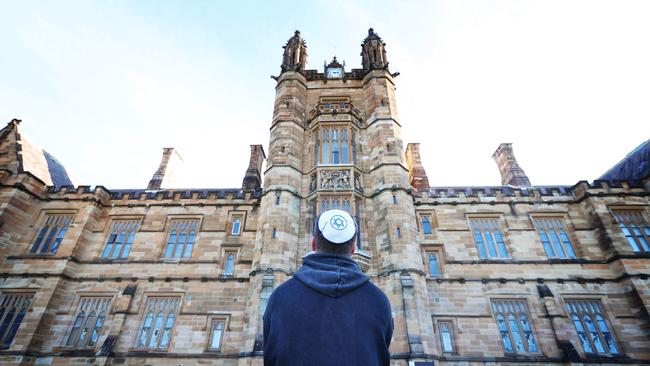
[335, 232]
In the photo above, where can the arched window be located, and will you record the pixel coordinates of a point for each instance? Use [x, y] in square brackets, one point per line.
[217, 334]
[555, 240]
[426, 225]
[512, 320]
[181, 239]
[236, 227]
[434, 264]
[446, 336]
[488, 238]
[156, 330]
[229, 265]
[589, 321]
[51, 233]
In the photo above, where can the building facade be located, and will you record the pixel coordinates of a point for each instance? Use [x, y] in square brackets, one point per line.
[512, 273]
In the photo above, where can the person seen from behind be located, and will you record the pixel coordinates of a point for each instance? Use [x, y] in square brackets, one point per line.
[329, 313]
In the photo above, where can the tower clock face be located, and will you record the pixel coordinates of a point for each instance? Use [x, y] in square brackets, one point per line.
[334, 73]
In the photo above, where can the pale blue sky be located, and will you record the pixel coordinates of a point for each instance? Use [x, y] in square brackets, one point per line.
[104, 85]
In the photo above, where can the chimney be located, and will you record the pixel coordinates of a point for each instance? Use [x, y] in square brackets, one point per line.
[417, 175]
[511, 172]
[164, 177]
[253, 178]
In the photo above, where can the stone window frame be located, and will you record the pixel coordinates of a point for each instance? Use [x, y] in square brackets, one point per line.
[73, 312]
[38, 227]
[640, 210]
[503, 226]
[31, 293]
[425, 249]
[316, 136]
[530, 318]
[606, 310]
[568, 228]
[168, 228]
[108, 229]
[452, 327]
[212, 319]
[232, 216]
[432, 222]
[143, 313]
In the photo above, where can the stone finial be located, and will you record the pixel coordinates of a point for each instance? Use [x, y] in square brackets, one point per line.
[417, 175]
[373, 52]
[511, 173]
[253, 178]
[164, 177]
[295, 54]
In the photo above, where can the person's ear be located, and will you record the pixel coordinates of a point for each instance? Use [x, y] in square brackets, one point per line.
[313, 244]
[354, 248]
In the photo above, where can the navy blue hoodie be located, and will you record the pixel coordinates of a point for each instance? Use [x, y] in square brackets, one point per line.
[329, 313]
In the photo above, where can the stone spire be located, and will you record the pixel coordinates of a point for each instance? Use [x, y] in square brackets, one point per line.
[164, 177]
[511, 173]
[253, 178]
[295, 54]
[417, 175]
[373, 52]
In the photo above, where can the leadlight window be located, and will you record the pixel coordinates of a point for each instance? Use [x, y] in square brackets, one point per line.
[51, 233]
[13, 308]
[334, 145]
[229, 264]
[446, 332]
[158, 323]
[513, 321]
[181, 239]
[235, 228]
[594, 334]
[433, 260]
[216, 334]
[120, 239]
[488, 238]
[635, 229]
[332, 202]
[555, 239]
[89, 321]
[426, 225]
[399, 232]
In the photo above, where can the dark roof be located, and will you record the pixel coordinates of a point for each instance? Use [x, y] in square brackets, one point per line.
[636, 165]
[57, 171]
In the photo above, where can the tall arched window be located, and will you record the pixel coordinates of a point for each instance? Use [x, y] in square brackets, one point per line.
[426, 225]
[513, 322]
[156, 329]
[229, 265]
[236, 227]
[588, 319]
[333, 145]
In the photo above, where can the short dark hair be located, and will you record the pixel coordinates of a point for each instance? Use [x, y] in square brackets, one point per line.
[324, 245]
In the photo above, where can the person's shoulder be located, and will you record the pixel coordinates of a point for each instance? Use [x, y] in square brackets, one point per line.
[375, 291]
[286, 287]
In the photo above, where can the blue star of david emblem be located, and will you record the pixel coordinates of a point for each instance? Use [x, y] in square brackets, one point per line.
[338, 222]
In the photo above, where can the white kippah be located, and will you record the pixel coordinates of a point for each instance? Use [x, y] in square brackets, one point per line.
[337, 226]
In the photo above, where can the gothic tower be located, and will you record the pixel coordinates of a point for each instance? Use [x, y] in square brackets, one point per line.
[336, 143]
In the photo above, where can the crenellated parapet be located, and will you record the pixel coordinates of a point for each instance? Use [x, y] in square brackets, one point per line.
[107, 197]
[505, 194]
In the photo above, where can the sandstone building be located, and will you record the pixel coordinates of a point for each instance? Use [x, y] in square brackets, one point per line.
[513, 273]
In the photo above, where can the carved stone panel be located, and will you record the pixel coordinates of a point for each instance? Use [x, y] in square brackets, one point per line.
[335, 179]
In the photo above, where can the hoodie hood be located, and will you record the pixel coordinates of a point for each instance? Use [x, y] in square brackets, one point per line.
[331, 274]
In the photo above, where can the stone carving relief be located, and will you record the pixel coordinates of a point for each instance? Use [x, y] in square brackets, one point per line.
[336, 179]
